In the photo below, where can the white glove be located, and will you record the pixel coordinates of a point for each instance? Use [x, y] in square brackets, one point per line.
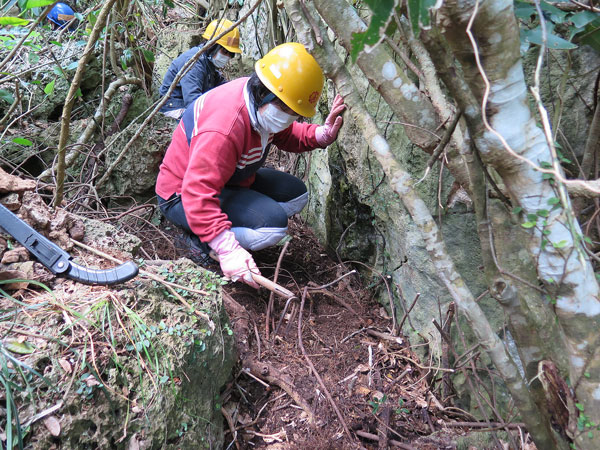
[327, 134]
[236, 263]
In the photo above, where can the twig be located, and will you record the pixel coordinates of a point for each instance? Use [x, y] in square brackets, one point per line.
[385, 336]
[441, 146]
[247, 372]
[272, 295]
[42, 414]
[333, 282]
[231, 426]
[412, 305]
[372, 437]
[484, 425]
[314, 370]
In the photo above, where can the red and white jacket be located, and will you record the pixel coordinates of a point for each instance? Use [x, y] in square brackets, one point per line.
[215, 144]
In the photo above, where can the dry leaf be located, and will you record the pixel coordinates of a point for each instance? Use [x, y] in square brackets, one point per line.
[361, 368]
[66, 365]
[133, 443]
[53, 425]
[362, 390]
[91, 381]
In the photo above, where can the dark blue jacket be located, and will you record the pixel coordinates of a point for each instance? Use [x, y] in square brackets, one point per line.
[202, 77]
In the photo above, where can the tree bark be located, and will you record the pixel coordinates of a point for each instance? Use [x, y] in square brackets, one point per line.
[403, 186]
[554, 241]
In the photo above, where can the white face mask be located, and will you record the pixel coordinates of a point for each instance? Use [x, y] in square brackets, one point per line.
[273, 120]
[219, 60]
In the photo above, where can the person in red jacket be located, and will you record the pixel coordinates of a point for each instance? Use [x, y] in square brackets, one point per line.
[211, 181]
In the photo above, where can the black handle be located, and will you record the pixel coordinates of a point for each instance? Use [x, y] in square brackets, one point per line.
[119, 274]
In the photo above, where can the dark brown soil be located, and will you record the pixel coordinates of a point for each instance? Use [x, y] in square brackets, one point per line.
[374, 380]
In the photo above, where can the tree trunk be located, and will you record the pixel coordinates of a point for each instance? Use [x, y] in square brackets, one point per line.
[555, 237]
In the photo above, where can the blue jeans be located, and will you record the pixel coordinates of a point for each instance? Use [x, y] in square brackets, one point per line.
[259, 214]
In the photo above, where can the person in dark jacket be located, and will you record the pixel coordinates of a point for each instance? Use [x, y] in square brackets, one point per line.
[204, 75]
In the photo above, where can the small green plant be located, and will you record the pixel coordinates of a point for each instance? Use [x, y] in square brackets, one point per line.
[182, 430]
[401, 409]
[376, 403]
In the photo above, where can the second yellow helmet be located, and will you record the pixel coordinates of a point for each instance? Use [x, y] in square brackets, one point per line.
[230, 41]
[293, 75]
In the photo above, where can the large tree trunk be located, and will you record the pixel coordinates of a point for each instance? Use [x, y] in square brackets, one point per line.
[555, 239]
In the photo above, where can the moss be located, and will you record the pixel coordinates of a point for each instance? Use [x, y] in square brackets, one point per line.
[161, 369]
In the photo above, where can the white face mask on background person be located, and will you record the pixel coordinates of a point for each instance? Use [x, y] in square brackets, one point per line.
[220, 60]
[273, 120]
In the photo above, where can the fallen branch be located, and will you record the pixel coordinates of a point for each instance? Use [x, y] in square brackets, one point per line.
[274, 376]
[372, 437]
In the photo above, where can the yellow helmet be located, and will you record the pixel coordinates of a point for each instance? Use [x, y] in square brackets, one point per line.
[293, 75]
[231, 41]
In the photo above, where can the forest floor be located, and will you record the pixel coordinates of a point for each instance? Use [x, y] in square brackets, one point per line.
[329, 371]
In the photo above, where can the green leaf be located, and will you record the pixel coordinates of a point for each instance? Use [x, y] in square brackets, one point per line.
[579, 406]
[22, 141]
[13, 21]
[532, 217]
[37, 3]
[169, 3]
[524, 10]
[6, 96]
[382, 14]
[581, 19]
[49, 89]
[517, 209]
[560, 244]
[587, 240]
[22, 348]
[148, 55]
[556, 15]
[591, 37]
[418, 12]
[528, 224]
[553, 201]
[552, 41]
[543, 213]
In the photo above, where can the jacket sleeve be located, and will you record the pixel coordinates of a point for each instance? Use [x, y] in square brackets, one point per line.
[213, 157]
[194, 83]
[297, 138]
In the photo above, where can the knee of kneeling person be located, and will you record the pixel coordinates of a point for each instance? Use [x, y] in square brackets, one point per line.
[257, 239]
[295, 205]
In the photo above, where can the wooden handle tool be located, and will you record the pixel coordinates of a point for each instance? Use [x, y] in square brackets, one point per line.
[273, 287]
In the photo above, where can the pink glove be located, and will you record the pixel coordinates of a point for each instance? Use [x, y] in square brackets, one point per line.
[327, 133]
[236, 263]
